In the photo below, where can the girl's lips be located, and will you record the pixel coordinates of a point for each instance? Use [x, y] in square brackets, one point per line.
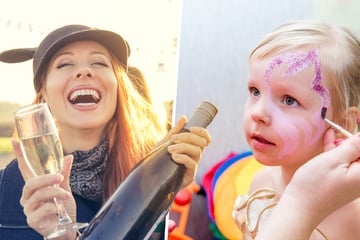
[260, 143]
[261, 140]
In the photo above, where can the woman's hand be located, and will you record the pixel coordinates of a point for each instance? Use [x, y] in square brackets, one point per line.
[188, 147]
[331, 179]
[39, 192]
[321, 186]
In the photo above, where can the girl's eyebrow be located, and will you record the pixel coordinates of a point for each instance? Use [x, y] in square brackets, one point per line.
[297, 63]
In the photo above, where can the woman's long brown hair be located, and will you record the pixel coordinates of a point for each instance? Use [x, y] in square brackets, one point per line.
[132, 131]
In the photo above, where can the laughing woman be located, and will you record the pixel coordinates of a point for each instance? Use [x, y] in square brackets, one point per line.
[105, 126]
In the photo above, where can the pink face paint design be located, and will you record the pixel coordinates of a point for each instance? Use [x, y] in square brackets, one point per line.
[286, 125]
[297, 63]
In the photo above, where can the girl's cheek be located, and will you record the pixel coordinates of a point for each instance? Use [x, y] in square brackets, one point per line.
[288, 131]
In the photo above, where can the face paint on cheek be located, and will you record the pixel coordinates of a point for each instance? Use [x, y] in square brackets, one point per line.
[287, 131]
[319, 125]
[286, 127]
[294, 131]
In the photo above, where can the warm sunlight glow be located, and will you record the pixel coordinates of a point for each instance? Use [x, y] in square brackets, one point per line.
[151, 28]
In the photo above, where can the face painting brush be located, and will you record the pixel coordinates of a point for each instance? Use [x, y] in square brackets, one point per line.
[334, 125]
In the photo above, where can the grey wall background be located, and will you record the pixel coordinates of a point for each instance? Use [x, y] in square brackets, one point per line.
[215, 39]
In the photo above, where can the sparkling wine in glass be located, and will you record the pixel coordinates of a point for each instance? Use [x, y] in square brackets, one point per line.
[43, 153]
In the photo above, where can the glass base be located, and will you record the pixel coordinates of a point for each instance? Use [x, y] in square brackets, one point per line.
[63, 229]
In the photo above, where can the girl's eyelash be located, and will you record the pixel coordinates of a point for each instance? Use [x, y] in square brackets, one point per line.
[291, 102]
[252, 91]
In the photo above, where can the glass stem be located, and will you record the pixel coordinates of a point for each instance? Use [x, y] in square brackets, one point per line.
[64, 217]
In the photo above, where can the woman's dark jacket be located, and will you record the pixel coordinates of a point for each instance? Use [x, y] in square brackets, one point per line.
[13, 224]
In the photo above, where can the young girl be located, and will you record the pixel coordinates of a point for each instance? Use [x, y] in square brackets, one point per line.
[295, 73]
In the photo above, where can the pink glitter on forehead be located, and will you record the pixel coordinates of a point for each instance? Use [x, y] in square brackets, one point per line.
[297, 63]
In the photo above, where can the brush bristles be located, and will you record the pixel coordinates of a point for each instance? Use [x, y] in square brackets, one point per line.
[323, 112]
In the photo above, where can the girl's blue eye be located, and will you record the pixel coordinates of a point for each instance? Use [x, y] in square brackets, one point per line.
[254, 91]
[290, 101]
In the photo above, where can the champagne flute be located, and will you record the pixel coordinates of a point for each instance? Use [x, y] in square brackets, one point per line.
[43, 153]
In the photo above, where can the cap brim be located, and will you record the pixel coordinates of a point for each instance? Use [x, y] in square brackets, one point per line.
[17, 55]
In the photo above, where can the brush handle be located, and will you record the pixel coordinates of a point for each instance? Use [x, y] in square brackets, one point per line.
[338, 128]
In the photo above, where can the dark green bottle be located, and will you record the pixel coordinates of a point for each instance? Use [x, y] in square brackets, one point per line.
[145, 196]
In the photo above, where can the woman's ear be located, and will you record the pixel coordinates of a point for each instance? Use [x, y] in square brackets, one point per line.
[350, 119]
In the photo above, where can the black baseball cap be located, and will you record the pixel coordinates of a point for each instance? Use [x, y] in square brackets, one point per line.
[61, 37]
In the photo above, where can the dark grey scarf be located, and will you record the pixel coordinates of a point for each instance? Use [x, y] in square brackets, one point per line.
[87, 171]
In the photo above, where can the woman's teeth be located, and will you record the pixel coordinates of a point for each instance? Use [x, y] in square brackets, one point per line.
[84, 97]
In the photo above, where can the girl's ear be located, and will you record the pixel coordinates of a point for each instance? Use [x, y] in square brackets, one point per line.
[350, 120]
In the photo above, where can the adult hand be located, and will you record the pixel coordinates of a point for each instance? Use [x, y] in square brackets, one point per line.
[188, 147]
[321, 186]
[39, 192]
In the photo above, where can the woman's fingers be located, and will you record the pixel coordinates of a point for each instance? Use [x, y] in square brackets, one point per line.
[190, 165]
[68, 160]
[44, 195]
[44, 219]
[38, 201]
[179, 125]
[329, 139]
[197, 136]
[24, 169]
[205, 138]
[348, 151]
[34, 184]
[189, 144]
[187, 150]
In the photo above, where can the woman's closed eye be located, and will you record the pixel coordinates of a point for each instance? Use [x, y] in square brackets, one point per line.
[97, 63]
[65, 64]
[100, 63]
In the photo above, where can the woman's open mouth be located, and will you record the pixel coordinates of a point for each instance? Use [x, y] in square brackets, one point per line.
[84, 97]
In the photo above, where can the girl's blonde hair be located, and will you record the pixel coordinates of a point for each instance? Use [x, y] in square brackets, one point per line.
[133, 130]
[338, 50]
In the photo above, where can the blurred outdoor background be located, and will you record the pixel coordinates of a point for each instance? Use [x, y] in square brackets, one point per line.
[151, 28]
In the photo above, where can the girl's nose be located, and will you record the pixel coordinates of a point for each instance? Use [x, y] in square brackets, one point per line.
[260, 113]
[83, 73]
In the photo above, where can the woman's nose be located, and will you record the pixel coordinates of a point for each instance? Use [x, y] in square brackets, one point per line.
[84, 72]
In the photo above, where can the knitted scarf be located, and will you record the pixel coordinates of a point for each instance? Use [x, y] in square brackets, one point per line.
[87, 171]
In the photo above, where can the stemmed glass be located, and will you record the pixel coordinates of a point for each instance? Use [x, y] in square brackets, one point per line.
[43, 153]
